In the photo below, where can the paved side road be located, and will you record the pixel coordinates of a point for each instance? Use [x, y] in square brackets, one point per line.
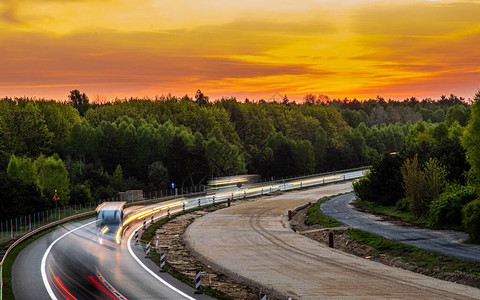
[447, 242]
[254, 243]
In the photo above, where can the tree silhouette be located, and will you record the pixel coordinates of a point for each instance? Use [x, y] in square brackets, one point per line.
[79, 101]
[200, 98]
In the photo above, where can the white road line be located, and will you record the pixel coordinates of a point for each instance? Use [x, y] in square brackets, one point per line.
[150, 271]
[44, 260]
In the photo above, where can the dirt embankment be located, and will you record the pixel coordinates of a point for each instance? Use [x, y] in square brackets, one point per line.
[170, 235]
[343, 242]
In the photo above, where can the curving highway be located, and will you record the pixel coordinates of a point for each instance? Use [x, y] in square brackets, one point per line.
[447, 242]
[70, 263]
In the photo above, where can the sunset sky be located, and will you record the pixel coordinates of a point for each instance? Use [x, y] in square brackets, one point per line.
[244, 48]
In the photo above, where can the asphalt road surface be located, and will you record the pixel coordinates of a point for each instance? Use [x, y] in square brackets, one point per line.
[76, 266]
[69, 263]
[447, 242]
[253, 242]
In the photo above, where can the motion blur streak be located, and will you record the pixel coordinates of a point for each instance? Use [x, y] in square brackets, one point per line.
[44, 261]
[100, 206]
[53, 282]
[104, 230]
[110, 288]
[314, 180]
[227, 182]
[68, 296]
[100, 287]
[143, 214]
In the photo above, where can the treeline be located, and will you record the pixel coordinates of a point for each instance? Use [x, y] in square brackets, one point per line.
[435, 176]
[91, 151]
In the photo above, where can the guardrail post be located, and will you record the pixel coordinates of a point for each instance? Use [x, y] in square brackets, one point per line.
[228, 202]
[289, 215]
[198, 282]
[147, 250]
[330, 239]
[162, 262]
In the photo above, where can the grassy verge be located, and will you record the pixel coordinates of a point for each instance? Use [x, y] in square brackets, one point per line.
[413, 255]
[8, 263]
[315, 216]
[391, 211]
[155, 257]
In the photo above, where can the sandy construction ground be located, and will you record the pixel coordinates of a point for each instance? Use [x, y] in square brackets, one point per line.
[254, 243]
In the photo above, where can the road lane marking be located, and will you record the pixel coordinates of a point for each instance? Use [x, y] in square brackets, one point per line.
[44, 260]
[150, 271]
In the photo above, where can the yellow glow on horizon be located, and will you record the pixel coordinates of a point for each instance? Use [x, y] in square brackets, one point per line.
[255, 49]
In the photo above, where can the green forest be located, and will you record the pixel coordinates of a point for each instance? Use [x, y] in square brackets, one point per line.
[435, 179]
[90, 151]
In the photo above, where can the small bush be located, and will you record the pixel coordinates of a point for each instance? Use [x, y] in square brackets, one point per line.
[362, 188]
[403, 204]
[471, 219]
[446, 210]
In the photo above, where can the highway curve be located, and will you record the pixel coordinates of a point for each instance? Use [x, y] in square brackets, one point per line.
[69, 263]
[78, 267]
[254, 243]
[447, 242]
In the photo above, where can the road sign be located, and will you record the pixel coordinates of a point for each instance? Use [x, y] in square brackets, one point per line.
[172, 185]
[56, 197]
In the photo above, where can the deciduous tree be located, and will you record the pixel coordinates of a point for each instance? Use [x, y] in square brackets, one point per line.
[414, 185]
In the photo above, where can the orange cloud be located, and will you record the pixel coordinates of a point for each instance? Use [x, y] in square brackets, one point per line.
[357, 48]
